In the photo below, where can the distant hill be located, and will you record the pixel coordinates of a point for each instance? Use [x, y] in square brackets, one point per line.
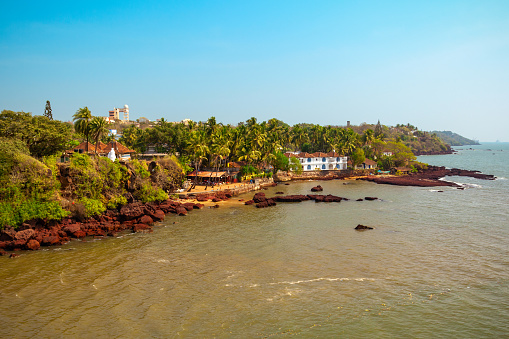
[454, 139]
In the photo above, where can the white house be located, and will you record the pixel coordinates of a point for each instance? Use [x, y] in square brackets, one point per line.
[320, 161]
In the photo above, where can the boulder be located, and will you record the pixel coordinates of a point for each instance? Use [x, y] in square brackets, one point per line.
[32, 244]
[25, 235]
[317, 189]
[362, 227]
[146, 220]
[181, 210]
[72, 229]
[249, 202]
[188, 206]
[370, 198]
[259, 197]
[51, 240]
[131, 211]
[158, 215]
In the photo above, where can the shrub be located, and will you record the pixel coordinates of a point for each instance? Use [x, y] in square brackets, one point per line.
[148, 193]
[116, 202]
[14, 213]
[92, 206]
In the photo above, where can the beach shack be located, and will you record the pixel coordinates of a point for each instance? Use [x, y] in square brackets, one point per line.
[210, 177]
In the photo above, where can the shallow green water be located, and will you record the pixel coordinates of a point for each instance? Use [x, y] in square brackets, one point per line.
[437, 265]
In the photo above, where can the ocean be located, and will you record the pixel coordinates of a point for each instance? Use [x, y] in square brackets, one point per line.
[436, 265]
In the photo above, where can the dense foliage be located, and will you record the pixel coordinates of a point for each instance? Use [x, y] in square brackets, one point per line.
[454, 139]
[41, 135]
[213, 145]
[28, 187]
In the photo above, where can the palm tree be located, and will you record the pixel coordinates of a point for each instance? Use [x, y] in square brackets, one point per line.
[98, 128]
[82, 119]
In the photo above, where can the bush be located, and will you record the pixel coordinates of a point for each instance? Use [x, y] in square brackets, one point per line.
[92, 206]
[148, 193]
[15, 213]
[116, 202]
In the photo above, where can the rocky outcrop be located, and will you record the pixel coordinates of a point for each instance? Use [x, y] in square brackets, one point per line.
[136, 217]
[429, 177]
[317, 189]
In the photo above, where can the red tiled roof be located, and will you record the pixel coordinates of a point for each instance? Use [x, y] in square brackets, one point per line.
[83, 146]
[370, 162]
[118, 147]
[320, 155]
[290, 155]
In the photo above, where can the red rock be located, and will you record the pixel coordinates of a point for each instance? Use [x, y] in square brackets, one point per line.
[188, 206]
[32, 245]
[79, 234]
[140, 227]
[25, 235]
[72, 228]
[158, 215]
[2, 252]
[249, 202]
[146, 220]
[181, 210]
[317, 189]
[7, 234]
[51, 240]
[259, 197]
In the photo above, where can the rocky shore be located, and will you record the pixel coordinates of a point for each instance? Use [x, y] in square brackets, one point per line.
[133, 217]
[429, 177]
[261, 201]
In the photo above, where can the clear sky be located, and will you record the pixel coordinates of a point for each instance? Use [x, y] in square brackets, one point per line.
[440, 65]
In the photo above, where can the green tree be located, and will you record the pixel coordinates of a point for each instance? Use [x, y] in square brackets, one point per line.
[357, 157]
[82, 119]
[280, 162]
[98, 128]
[42, 136]
[47, 110]
[295, 165]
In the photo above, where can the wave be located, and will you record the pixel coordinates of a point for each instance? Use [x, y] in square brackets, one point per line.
[461, 184]
[320, 279]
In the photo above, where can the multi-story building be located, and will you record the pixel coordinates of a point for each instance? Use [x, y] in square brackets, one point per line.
[320, 161]
[115, 114]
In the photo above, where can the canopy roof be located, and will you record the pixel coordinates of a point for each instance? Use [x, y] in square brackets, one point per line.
[207, 174]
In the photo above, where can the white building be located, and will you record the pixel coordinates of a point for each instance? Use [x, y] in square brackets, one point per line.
[321, 161]
[115, 114]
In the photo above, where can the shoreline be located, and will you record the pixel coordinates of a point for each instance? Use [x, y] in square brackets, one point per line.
[139, 217]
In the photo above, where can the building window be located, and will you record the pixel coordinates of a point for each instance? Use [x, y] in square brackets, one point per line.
[323, 166]
[309, 159]
[324, 160]
[309, 167]
[337, 165]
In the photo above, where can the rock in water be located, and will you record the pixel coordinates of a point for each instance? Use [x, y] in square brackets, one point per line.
[317, 189]
[362, 227]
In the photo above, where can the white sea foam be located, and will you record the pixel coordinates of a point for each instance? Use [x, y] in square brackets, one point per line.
[318, 280]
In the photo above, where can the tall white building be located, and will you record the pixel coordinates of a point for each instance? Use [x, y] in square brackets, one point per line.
[115, 114]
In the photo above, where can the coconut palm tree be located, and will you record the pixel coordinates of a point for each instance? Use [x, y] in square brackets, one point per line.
[98, 128]
[82, 119]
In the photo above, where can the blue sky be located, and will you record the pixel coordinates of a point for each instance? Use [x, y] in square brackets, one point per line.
[435, 64]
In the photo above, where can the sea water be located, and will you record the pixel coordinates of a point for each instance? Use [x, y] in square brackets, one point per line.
[436, 265]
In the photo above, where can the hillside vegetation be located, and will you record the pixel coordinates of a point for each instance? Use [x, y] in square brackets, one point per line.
[454, 139]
